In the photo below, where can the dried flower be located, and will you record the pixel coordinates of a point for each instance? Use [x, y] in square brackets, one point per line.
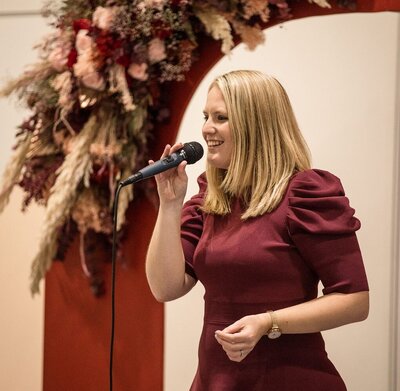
[138, 71]
[119, 84]
[83, 42]
[59, 56]
[156, 50]
[154, 3]
[251, 36]
[321, 3]
[13, 171]
[103, 17]
[95, 97]
[218, 27]
[85, 68]
[94, 80]
[63, 84]
[61, 201]
[256, 7]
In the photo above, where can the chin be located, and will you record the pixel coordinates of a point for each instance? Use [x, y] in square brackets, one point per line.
[216, 162]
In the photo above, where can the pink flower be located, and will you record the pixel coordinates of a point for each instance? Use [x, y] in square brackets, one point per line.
[83, 65]
[156, 50]
[85, 70]
[103, 18]
[138, 71]
[59, 57]
[83, 42]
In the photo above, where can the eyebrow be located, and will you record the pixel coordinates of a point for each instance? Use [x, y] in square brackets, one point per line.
[215, 112]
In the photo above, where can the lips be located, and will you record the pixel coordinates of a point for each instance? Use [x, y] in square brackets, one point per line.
[214, 143]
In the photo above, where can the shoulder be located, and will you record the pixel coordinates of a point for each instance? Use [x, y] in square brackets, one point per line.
[317, 203]
[315, 183]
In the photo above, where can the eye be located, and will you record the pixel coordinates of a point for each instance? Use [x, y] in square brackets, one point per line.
[205, 116]
[222, 118]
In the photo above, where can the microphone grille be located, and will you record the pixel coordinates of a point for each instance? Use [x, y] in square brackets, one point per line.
[194, 151]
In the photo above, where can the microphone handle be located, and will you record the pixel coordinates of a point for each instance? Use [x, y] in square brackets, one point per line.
[162, 165]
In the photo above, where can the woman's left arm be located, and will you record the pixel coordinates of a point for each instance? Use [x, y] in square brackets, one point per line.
[323, 313]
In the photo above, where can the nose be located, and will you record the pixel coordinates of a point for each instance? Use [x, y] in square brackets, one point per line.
[208, 127]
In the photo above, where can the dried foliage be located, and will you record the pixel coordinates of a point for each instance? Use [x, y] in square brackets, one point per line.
[95, 96]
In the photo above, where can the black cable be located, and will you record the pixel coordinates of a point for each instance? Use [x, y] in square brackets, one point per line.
[114, 246]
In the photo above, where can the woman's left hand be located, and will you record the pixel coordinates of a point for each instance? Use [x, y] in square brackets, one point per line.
[240, 338]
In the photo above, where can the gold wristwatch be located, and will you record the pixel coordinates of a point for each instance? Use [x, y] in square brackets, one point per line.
[274, 332]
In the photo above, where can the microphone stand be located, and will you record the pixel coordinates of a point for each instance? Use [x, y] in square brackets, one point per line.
[113, 257]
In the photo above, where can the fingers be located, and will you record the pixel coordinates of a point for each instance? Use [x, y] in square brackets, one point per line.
[165, 153]
[178, 171]
[235, 348]
[168, 150]
[235, 352]
[238, 356]
[240, 338]
[232, 330]
[232, 333]
[172, 183]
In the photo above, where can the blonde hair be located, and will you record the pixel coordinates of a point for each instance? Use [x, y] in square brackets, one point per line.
[268, 147]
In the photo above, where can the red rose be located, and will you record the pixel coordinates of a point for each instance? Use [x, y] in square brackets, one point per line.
[163, 34]
[72, 56]
[105, 45]
[123, 60]
[161, 30]
[81, 24]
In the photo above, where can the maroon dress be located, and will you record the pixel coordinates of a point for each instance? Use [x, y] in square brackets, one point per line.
[266, 263]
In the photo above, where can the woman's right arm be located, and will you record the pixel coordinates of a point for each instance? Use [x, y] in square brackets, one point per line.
[165, 262]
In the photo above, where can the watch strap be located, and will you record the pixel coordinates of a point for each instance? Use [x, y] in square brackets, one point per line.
[274, 320]
[274, 332]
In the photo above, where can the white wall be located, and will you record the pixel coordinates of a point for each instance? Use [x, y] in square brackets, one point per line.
[21, 326]
[341, 73]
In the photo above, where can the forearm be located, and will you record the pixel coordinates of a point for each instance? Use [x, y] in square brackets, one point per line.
[165, 265]
[327, 312]
[324, 313]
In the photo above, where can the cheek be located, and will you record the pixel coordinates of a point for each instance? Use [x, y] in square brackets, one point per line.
[229, 146]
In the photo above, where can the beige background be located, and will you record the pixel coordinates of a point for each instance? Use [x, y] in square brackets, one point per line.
[341, 73]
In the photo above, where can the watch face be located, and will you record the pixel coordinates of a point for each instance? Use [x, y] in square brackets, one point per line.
[274, 333]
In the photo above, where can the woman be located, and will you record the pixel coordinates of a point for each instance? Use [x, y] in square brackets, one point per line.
[260, 235]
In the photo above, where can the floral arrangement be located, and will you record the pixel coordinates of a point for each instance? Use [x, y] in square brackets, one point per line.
[95, 96]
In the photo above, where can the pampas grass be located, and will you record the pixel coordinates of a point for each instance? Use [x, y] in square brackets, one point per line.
[217, 26]
[74, 169]
[37, 72]
[13, 170]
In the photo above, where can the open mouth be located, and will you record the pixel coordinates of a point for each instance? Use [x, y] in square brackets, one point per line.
[214, 143]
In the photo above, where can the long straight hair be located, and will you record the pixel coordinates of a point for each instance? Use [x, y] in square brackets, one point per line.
[268, 147]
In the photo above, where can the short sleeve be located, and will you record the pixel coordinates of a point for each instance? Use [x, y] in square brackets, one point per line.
[322, 226]
[192, 225]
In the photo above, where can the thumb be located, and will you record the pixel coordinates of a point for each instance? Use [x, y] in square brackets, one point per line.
[233, 328]
[182, 169]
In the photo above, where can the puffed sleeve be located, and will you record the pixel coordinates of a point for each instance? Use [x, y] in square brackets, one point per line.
[192, 225]
[322, 226]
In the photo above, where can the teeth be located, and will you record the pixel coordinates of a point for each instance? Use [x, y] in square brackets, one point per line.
[212, 143]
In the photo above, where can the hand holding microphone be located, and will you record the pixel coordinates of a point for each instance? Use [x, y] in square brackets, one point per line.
[171, 157]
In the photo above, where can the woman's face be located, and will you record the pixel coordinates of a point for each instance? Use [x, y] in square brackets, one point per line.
[216, 130]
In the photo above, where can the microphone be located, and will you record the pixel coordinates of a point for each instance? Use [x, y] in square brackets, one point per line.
[191, 152]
